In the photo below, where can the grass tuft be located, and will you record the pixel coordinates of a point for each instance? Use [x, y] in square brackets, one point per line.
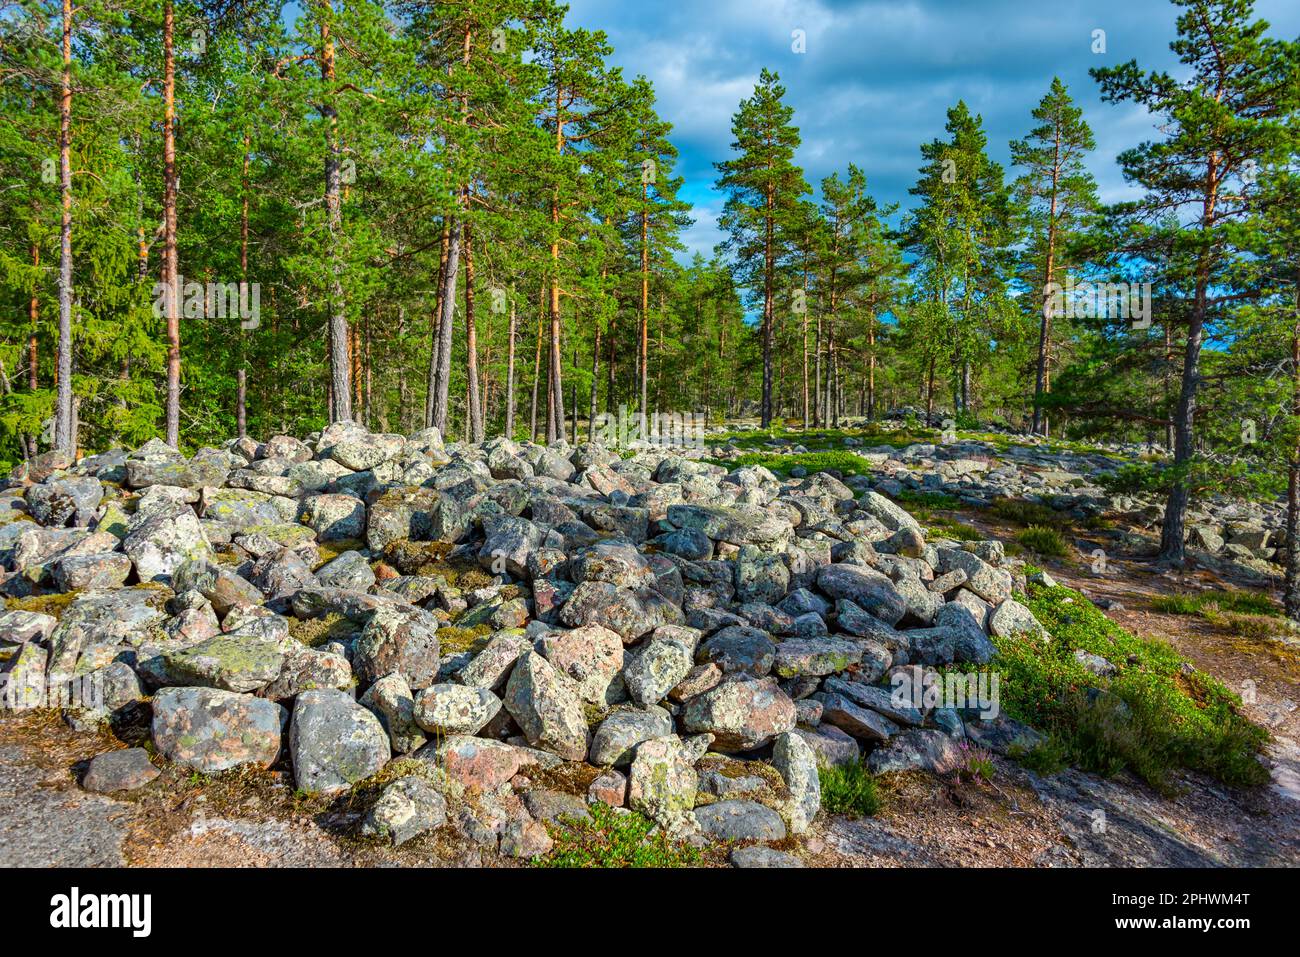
[849, 789]
[1044, 541]
[614, 838]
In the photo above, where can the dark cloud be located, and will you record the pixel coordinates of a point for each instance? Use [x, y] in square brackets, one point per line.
[878, 75]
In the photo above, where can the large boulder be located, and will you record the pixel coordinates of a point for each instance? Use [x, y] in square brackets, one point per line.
[212, 730]
[231, 662]
[662, 783]
[591, 656]
[335, 742]
[655, 668]
[455, 709]
[547, 707]
[741, 715]
[160, 543]
[867, 589]
[398, 639]
[740, 820]
[617, 737]
[405, 809]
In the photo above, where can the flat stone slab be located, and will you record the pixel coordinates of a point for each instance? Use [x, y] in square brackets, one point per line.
[123, 770]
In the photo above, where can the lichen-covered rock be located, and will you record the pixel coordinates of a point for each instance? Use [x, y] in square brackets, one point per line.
[547, 707]
[367, 451]
[221, 586]
[211, 730]
[95, 626]
[232, 662]
[605, 604]
[455, 709]
[867, 589]
[590, 655]
[739, 649]
[490, 668]
[923, 749]
[23, 682]
[334, 517]
[761, 576]
[863, 723]
[797, 763]
[741, 715]
[127, 769]
[1013, 620]
[655, 668]
[100, 571]
[991, 584]
[833, 747]
[815, 656]
[617, 737]
[74, 500]
[18, 626]
[398, 639]
[508, 543]
[740, 820]
[349, 570]
[163, 542]
[308, 669]
[405, 809]
[740, 525]
[335, 742]
[480, 764]
[662, 782]
[393, 703]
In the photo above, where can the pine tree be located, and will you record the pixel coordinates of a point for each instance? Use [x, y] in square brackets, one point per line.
[1220, 122]
[1057, 194]
[763, 187]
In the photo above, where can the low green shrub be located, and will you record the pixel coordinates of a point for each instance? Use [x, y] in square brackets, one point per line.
[849, 789]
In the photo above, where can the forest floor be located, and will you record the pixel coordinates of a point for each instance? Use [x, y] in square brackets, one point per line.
[1016, 819]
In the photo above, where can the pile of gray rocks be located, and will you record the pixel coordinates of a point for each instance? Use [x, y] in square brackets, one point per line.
[686, 641]
[979, 472]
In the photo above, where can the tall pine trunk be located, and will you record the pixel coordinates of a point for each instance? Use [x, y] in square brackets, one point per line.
[769, 253]
[241, 379]
[474, 412]
[510, 374]
[1291, 598]
[440, 371]
[171, 261]
[1172, 548]
[340, 371]
[63, 408]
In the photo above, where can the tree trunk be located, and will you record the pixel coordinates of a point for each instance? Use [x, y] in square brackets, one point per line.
[171, 263]
[643, 360]
[871, 367]
[63, 408]
[805, 351]
[510, 373]
[537, 375]
[441, 371]
[241, 378]
[475, 410]
[340, 372]
[769, 226]
[435, 326]
[1172, 548]
[595, 388]
[1041, 381]
[1291, 598]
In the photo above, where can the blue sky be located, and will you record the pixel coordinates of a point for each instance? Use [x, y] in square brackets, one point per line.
[878, 76]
